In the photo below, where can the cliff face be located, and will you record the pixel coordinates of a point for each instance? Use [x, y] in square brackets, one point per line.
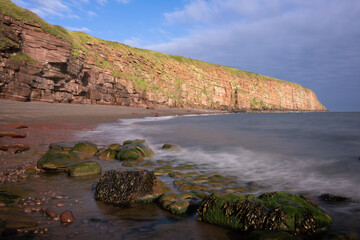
[48, 63]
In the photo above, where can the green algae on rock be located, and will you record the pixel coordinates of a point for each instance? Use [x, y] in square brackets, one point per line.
[85, 147]
[276, 211]
[179, 204]
[107, 155]
[134, 150]
[170, 147]
[122, 188]
[55, 159]
[84, 169]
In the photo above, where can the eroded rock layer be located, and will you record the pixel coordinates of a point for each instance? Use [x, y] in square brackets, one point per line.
[42, 62]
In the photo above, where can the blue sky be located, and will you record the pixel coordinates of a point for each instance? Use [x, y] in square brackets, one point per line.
[313, 43]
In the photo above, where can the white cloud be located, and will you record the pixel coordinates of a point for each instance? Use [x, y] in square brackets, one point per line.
[81, 29]
[134, 42]
[124, 1]
[92, 14]
[102, 2]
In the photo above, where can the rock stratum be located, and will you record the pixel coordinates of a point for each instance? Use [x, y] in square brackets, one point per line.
[43, 62]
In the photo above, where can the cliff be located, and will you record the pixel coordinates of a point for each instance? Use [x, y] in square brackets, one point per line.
[42, 62]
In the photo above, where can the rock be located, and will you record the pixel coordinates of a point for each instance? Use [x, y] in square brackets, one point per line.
[51, 213]
[114, 146]
[134, 150]
[83, 156]
[66, 146]
[67, 217]
[179, 203]
[84, 169]
[12, 134]
[270, 211]
[16, 125]
[189, 186]
[19, 147]
[85, 147]
[107, 155]
[59, 160]
[122, 188]
[126, 154]
[335, 199]
[170, 147]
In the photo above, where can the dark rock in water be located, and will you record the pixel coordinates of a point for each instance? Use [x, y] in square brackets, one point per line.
[121, 188]
[12, 134]
[170, 147]
[270, 211]
[55, 159]
[85, 147]
[67, 217]
[134, 150]
[335, 199]
[84, 169]
[107, 155]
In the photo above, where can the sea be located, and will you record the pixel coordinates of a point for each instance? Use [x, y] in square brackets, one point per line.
[309, 154]
[303, 153]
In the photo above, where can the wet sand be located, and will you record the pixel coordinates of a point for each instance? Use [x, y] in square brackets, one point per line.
[40, 112]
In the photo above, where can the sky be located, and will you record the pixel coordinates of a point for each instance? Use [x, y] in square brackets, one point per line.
[315, 43]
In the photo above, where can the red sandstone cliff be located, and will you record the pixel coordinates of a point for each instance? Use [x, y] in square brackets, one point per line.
[48, 63]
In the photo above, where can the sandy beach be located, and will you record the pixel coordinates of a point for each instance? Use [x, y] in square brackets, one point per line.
[55, 122]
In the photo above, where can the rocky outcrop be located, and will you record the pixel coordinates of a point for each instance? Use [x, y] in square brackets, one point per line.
[41, 62]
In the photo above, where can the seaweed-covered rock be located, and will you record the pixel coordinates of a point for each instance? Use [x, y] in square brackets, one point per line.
[270, 211]
[170, 147]
[334, 199]
[114, 146]
[179, 203]
[85, 147]
[84, 169]
[66, 146]
[107, 155]
[55, 159]
[134, 150]
[122, 188]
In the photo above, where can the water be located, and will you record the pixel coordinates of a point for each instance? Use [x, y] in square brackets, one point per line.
[299, 152]
[302, 153]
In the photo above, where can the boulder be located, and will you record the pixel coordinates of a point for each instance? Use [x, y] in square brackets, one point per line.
[66, 146]
[276, 211]
[107, 155]
[55, 159]
[179, 204]
[84, 169]
[170, 147]
[122, 188]
[85, 147]
[134, 150]
[114, 146]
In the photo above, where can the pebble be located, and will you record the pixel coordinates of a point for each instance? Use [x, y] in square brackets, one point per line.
[51, 213]
[27, 210]
[2, 204]
[67, 217]
[56, 218]
[60, 204]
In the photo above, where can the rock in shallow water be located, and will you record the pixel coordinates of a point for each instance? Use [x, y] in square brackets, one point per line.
[55, 159]
[122, 188]
[270, 211]
[84, 169]
[67, 217]
[85, 147]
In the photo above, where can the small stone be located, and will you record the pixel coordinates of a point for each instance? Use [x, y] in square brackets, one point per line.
[60, 204]
[56, 218]
[27, 210]
[67, 217]
[2, 204]
[51, 213]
